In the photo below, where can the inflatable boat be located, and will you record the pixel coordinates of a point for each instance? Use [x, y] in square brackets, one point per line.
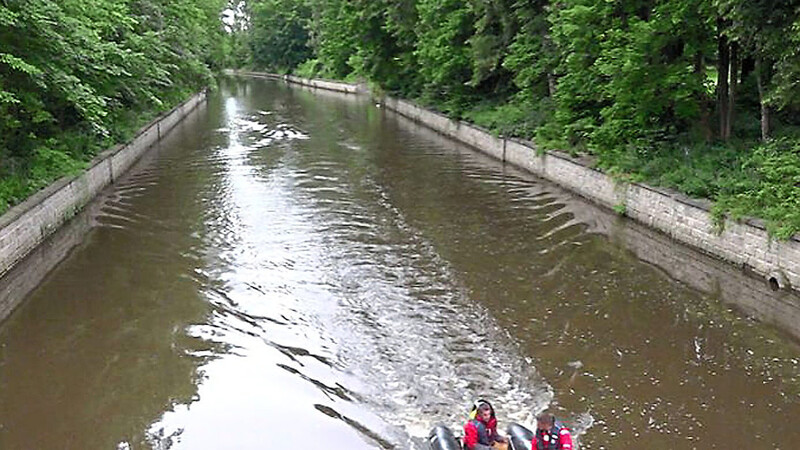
[442, 438]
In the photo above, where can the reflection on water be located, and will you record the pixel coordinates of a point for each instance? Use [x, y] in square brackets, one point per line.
[305, 270]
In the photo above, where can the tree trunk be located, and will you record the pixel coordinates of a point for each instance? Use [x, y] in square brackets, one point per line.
[705, 119]
[732, 85]
[551, 83]
[722, 79]
[551, 76]
[764, 106]
[748, 66]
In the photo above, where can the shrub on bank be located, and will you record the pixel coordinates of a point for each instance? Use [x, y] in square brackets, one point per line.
[768, 187]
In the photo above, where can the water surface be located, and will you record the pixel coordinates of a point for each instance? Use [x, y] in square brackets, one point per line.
[298, 269]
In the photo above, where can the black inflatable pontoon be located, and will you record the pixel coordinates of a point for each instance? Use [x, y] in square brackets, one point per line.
[519, 437]
[442, 438]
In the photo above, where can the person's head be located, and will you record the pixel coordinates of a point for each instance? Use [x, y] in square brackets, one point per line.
[545, 421]
[485, 411]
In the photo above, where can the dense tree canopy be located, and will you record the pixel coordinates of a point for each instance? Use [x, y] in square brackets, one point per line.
[76, 75]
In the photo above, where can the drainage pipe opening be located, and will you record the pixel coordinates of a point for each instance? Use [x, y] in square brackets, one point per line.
[777, 281]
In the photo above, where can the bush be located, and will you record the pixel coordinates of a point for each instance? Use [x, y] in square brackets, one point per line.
[768, 187]
[515, 118]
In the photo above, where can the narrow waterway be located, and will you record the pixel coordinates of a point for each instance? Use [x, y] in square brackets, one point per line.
[297, 269]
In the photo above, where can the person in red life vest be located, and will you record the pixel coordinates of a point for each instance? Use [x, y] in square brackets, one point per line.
[480, 431]
[550, 435]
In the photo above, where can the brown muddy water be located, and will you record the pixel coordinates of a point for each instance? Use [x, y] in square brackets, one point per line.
[293, 269]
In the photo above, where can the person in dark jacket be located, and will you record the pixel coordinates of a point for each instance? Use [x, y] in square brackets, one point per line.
[551, 435]
[480, 431]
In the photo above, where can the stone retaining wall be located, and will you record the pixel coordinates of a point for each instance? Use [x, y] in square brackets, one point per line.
[27, 225]
[747, 245]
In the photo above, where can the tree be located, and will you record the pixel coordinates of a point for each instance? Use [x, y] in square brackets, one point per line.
[443, 51]
[532, 54]
[279, 34]
[762, 31]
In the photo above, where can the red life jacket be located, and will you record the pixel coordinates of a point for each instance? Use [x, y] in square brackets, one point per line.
[555, 439]
[483, 432]
[478, 432]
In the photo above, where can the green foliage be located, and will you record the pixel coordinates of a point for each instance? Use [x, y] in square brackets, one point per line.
[496, 25]
[362, 39]
[279, 37]
[576, 30]
[744, 182]
[699, 170]
[334, 31]
[310, 68]
[531, 55]
[48, 163]
[68, 69]
[443, 51]
[629, 70]
[769, 31]
[517, 117]
[768, 187]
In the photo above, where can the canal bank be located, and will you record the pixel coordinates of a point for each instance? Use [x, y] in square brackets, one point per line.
[28, 225]
[745, 244]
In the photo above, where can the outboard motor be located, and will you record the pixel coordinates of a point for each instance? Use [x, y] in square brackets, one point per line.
[519, 437]
[442, 438]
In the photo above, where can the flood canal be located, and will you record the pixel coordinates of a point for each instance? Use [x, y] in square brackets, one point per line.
[298, 269]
